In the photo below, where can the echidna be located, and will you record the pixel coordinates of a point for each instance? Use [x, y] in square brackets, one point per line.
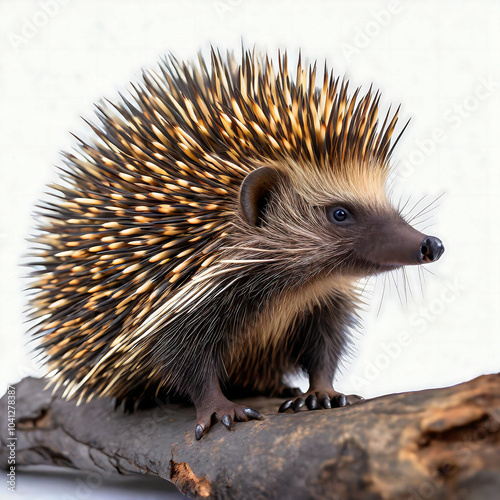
[208, 239]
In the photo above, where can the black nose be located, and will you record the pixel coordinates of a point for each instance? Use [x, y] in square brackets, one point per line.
[431, 249]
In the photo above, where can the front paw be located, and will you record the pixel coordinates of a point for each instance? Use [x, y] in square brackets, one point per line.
[226, 413]
[317, 400]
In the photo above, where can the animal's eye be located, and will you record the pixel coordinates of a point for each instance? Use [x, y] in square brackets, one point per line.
[339, 215]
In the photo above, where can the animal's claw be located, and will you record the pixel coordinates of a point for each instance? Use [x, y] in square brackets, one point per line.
[226, 421]
[285, 405]
[325, 401]
[253, 414]
[312, 402]
[198, 432]
[298, 404]
[339, 401]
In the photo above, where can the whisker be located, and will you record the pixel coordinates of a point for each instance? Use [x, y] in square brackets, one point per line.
[428, 271]
[383, 294]
[364, 287]
[420, 200]
[420, 280]
[428, 226]
[401, 209]
[428, 208]
[423, 213]
[397, 288]
[414, 222]
[405, 285]
[409, 286]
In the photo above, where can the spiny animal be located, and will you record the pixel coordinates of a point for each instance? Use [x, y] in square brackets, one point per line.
[208, 238]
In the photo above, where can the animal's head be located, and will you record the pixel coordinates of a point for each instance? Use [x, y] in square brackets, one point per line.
[333, 221]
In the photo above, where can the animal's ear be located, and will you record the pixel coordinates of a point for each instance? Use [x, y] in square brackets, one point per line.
[255, 191]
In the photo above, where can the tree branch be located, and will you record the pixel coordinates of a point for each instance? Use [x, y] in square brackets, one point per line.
[439, 444]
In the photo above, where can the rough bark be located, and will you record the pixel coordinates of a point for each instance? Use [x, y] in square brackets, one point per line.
[439, 444]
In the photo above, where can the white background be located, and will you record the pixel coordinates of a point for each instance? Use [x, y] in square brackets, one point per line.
[439, 60]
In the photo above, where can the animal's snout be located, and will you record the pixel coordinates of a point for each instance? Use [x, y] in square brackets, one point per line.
[431, 249]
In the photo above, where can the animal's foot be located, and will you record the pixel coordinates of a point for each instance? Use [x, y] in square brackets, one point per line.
[317, 400]
[225, 412]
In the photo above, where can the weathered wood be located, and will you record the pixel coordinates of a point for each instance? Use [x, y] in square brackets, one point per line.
[439, 444]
